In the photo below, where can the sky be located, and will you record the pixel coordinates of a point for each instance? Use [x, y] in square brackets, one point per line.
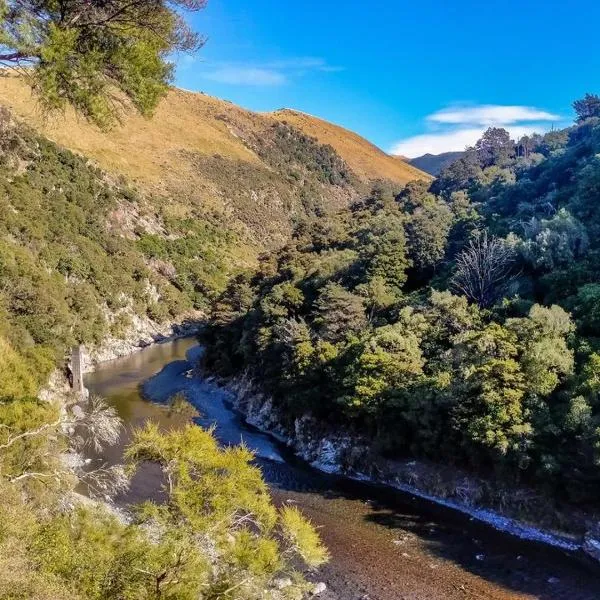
[412, 77]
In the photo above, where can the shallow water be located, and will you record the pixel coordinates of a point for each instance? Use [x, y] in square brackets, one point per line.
[385, 545]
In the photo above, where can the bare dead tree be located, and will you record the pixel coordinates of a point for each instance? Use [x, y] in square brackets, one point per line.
[484, 269]
[94, 425]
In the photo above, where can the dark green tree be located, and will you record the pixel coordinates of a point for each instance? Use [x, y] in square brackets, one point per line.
[427, 232]
[587, 107]
[462, 174]
[495, 148]
[339, 312]
[96, 55]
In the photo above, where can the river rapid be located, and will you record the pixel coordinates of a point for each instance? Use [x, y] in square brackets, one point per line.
[385, 544]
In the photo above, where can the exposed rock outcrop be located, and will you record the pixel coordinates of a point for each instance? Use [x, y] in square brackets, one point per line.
[142, 333]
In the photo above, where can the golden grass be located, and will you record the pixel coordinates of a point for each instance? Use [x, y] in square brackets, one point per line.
[148, 150]
[363, 157]
[197, 151]
[143, 149]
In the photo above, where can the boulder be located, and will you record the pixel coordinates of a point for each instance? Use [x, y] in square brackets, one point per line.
[319, 588]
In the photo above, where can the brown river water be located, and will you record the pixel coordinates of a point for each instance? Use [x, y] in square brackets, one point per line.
[385, 545]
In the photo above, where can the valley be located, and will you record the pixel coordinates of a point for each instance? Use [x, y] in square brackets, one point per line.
[315, 368]
[385, 545]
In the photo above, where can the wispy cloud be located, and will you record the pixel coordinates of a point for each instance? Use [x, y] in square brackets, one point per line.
[490, 114]
[269, 73]
[456, 127]
[448, 141]
[246, 76]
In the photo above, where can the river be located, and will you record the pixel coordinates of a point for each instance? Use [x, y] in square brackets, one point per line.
[385, 545]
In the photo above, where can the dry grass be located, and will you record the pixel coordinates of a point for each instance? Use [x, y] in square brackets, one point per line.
[364, 158]
[170, 155]
[146, 150]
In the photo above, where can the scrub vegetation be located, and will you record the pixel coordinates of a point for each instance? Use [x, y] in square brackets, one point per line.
[452, 321]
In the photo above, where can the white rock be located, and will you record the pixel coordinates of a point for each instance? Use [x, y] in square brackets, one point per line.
[319, 588]
[284, 582]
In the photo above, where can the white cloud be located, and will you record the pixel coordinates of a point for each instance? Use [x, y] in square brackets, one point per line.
[449, 141]
[246, 76]
[273, 73]
[490, 114]
[456, 127]
[303, 63]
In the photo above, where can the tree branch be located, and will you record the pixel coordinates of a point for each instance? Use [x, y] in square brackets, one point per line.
[28, 434]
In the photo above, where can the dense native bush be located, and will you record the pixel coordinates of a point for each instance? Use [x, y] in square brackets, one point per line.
[68, 274]
[291, 151]
[218, 531]
[459, 323]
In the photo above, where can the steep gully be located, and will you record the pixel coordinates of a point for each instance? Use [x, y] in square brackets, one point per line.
[385, 544]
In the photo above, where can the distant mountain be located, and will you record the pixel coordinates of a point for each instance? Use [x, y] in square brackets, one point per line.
[434, 163]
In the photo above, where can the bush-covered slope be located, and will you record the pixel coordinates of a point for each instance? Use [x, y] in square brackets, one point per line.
[364, 158]
[82, 255]
[210, 155]
[456, 323]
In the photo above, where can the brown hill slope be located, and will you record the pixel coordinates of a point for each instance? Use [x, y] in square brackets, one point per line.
[364, 158]
[199, 154]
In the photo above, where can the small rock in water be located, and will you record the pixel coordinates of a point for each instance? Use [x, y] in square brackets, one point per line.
[553, 580]
[319, 588]
[480, 556]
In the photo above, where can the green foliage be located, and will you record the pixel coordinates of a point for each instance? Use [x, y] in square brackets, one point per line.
[554, 243]
[192, 258]
[495, 148]
[95, 57]
[290, 151]
[587, 107]
[219, 495]
[428, 226]
[502, 377]
[339, 313]
[68, 274]
[217, 534]
[16, 379]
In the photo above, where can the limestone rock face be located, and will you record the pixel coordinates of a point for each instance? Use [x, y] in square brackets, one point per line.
[143, 332]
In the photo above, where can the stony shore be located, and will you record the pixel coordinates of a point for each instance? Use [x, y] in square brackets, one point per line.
[345, 453]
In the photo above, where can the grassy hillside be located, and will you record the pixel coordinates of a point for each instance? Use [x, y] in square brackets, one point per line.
[255, 173]
[364, 158]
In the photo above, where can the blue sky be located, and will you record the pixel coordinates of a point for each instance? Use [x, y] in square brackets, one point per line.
[412, 77]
